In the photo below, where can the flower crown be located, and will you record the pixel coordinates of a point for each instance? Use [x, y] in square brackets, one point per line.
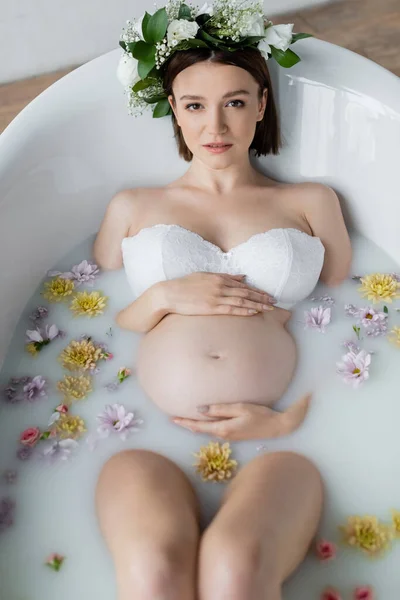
[229, 25]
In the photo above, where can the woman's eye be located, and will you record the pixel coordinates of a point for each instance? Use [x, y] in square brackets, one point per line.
[190, 106]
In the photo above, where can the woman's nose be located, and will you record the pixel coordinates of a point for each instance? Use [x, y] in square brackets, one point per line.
[216, 122]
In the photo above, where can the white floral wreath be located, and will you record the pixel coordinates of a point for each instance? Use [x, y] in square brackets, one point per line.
[227, 25]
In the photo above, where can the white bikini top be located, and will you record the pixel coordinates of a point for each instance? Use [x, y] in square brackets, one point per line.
[284, 262]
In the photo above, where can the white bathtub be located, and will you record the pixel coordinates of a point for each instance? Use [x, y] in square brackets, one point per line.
[74, 146]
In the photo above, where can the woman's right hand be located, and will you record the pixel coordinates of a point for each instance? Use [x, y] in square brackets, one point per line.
[204, 293]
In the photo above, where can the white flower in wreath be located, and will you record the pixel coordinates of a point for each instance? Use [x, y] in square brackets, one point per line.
[127, 71]
[279, 36]
[254, 26]
[181, 29]
[206, 9]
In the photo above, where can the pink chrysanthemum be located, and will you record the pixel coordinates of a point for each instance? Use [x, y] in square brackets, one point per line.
[325, 550]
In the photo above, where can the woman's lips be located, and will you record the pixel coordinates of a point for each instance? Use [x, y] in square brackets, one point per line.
[218, 149]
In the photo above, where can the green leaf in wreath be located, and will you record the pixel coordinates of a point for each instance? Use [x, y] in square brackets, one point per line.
[286, 59]
[253, 39]
[143, 84]
[300, 36]
[123, 45]
[162, 109]
[195, 43]
[201, 19]
[185, 12]
[209, 38]
[142, 50]
[157, 26]
[145, 66]
[145, 21]
[154, 99]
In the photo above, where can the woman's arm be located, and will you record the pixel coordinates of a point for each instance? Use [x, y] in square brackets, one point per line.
[115, 226]
[146, 311]
[324, 215]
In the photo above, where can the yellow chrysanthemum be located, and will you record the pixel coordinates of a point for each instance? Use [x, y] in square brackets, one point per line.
[75, 388]
[58, 289]
[89, 305]
[379, 287]
[69, 426]
[394, 335]
[214, 463]
[396, 522]
[31, 348]
[367, 534]
[80, 355]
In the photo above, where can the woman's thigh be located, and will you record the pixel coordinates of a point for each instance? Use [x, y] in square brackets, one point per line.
[267, 520]
[149, 516]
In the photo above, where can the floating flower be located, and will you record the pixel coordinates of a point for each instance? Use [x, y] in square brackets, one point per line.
[379, 287]
[325, 550]
[58, 289]
[55, 449]
[40, 312]
[367, 534]
[364, 592]
[81, 355]
[75, 387]
[115, 418]
[84, 272]
[374, 321]
[394, 336]
[214, 463]
[35, 389]
[30, 436]
[40, 337]
[55, 561]
[330, 594]
[122, 374]
[396, 522]
[351, 346]
[354, 367]
[25, 453]
[326, 299]
[7, 507]
[89, 305]
[69, 426]
[10, 476]
[59, 410]
[317, 318]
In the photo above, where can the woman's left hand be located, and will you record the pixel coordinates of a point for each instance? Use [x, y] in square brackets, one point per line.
[245, 421]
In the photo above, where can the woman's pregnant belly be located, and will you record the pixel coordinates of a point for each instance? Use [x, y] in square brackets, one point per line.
[186, 361]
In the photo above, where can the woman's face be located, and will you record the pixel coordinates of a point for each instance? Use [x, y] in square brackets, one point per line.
[217, 103]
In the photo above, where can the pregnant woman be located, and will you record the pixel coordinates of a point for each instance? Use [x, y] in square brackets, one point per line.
[215, 260]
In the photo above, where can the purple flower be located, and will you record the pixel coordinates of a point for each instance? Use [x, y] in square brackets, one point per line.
[116, 419]
[10, 395]
[396, 276]
[58, 449]
[352, 346]
[39, 313]
[10, 476]
[7, 507]
[354, 367]
[351, 310]
[35, 389]
[84, 272]
[374, 321]
[25, 453]
[317, 318]
[42, 335]
[18, 380]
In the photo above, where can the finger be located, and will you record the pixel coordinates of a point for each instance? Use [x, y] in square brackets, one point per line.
[240, 288]
[244, 303]
[227, 410]
[248, 293]
[218, 428]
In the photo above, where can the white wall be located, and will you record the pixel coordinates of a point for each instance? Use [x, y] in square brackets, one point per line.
[41, 36]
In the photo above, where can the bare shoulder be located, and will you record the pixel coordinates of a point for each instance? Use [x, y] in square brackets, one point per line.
[319, 205]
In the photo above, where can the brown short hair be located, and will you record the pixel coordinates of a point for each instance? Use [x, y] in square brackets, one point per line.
[267, 137]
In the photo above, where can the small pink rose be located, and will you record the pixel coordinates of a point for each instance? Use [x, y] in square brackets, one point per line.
[62, 408]
[325, 550]
[30, 436]
[331, 594]
[364, 592]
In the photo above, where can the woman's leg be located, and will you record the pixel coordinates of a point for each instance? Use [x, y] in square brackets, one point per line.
[149, 516]
[268, 517]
